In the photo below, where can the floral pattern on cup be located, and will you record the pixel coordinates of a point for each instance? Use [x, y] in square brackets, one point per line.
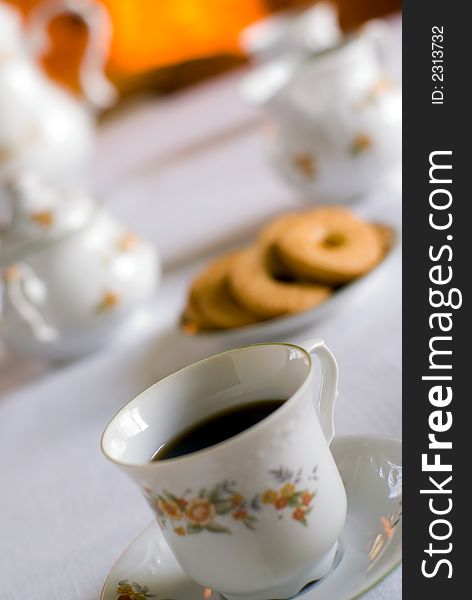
[131, 590]
[219, 508]
[298, 501]
[189, 513]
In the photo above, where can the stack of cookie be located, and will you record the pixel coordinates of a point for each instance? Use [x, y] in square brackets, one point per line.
[296, 263]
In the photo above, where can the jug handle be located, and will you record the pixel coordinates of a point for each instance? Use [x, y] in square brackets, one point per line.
[329, 385]
[97, 89]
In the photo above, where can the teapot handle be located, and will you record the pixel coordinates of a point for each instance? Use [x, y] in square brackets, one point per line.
[96, 87]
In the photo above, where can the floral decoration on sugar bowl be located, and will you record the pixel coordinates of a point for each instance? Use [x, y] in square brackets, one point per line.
[220, 508]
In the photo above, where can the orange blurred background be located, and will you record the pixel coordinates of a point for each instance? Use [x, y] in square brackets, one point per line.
[165, 44]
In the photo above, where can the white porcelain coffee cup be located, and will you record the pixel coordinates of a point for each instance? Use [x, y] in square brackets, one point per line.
[258, 515]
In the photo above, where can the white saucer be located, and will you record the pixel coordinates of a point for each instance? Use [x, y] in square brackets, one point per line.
[369, 549]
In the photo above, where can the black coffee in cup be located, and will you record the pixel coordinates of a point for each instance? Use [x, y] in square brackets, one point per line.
[217, 428]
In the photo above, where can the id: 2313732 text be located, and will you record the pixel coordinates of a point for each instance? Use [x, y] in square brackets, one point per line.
[437, 64]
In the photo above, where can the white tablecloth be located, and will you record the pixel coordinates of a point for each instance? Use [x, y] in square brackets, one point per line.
[190, 173]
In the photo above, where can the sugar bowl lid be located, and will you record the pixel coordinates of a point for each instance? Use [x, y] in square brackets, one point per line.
[41, 214]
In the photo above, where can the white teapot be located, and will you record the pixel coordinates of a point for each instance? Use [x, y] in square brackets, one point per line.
[42, 126]
[73, 276]
[336, 117]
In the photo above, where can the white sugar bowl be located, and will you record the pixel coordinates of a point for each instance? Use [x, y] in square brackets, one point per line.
[73, 276]
[335, 117]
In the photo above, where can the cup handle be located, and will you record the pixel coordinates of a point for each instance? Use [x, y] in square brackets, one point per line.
[329, 385]
[96, 87]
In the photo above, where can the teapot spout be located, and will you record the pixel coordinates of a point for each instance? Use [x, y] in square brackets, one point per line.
[263, 86]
